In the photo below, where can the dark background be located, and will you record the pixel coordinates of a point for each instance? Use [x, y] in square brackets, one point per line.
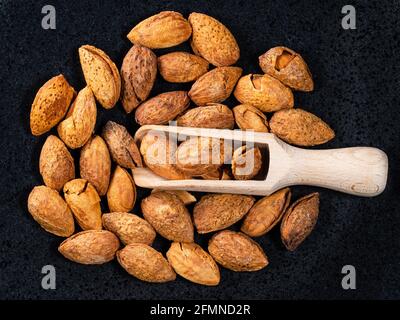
[356, 74]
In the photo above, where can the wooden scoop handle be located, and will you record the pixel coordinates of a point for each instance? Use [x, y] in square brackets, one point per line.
[359, 171]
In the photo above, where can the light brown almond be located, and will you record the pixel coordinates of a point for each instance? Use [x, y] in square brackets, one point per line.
[95, 164]
[56, 164]
[50, 105]
[237, 252]
[186, 197]
[145, 263]
[84, 202]
[246, 163]
[213, 41]
[121, 194]
[51, 211]
[163, 30]
[90, 247]
[299, 127]
[129, 227]
[248, 117]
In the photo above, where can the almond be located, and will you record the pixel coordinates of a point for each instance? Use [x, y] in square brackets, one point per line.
[213, 115]
[122, 147]
[266, 213]
[90, 247]
[121, 194]
[84, 202]
[95, 164]
[246, 163]
[168, 216]
[179, 67]
[56, 164]
[186, 197]
[50, 105]
[162, 108]
[138, 74]
[145, 263]
[163, 30]
[129, 227]
[299, 127]
[213, 41]
[215, 86]
[237, 252]
[191, 262]
[248, 117]
[51, 211]
[101, 75]
[263, 92]
[288, 67]
[218, 211]
[77, 128]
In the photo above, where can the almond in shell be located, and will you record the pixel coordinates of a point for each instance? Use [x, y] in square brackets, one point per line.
[264, 92]
[56, 164]
[129, 227]
[246, 163]
[179, 67]
[121, 194]
[95, 164]
[138, 74]
[212, 115]
[77, 128]
[288, 67]
[213, 41]
[84, 202]
[299, 127]
[299, 220]
[51, 211]
[248, 117]
[162, 108]
[50, 105]
[145, 263]
[218, 211]
[237, 252]
[168, 216]
[266, 213]
[215, 86]
[163, 30]
[90, 247]
[191, 262]
[101, 75]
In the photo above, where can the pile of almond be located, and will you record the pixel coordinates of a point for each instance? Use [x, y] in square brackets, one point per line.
[107, 157]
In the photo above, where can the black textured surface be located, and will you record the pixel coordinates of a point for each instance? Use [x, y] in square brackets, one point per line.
[356, 93]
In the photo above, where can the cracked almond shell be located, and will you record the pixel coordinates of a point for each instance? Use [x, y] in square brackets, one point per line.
[168, 216]
[266, 213]
[138, 74]
[162, 108]
[95, 164]
[237, 252]
[299, 220]
[215, 86]
[212, 115]
[90, 247]
[101, 75]
[191, 262]
[180, 67]
[121, 194]
[163, 30]
[299, 127]
[263, 92]
[248, 117]
[288, 67]
[219, 211]
[56, 164]
[84, 202]
[145, 263]
[77, 128]
[246, 163]
[50, 105]
[51, 211]
[129, 228]
[213, 41]
[121, 145]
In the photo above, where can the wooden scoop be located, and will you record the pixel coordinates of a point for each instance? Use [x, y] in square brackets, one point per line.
[360, 171]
